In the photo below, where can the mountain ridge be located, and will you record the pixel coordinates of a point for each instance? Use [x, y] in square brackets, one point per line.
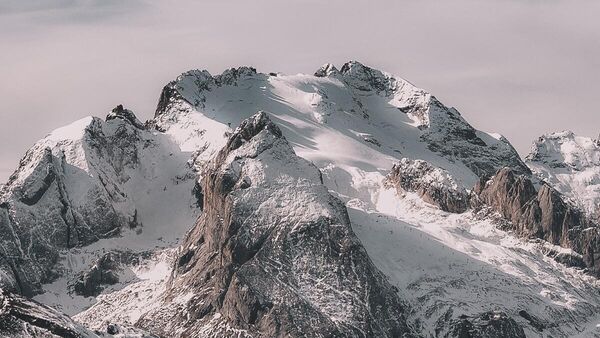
[396, 158]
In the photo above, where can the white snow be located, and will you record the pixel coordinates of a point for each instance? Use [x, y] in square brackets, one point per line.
[438, 260]
[571, 164]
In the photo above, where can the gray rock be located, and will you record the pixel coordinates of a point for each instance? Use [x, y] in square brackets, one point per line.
[490, 324]
[434, 185]
[542, 214]
[24, 318]
[49, 204]
[273, 254]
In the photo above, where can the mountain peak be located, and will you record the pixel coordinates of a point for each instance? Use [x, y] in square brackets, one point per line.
[365, 78]
[327, 69]
[125, 114]
[251, 127]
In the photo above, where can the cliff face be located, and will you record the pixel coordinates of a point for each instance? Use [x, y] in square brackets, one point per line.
[273, 254]
[571, 164]
[542, 214]
[24, 318]
[82, 183]
[434, 185]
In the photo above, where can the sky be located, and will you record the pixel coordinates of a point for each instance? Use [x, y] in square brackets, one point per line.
[521, 68]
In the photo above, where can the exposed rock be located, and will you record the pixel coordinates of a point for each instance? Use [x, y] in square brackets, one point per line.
[112, 329]
[326, 70]
[450, 135]
[273, 254]
[486, 325]
[23, 318]
[571, 165]
[168, 95]
[542, 214]
[434, 185]
[364, 78]
[507, 193]
[121, 113]
[533, 321]
[103, 272]
[73, 188]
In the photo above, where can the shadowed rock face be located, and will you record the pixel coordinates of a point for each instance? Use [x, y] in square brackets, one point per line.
[541, 214]
[434, 185]
[24, 318]
[50, 204]
[273, 254]
[486, 325]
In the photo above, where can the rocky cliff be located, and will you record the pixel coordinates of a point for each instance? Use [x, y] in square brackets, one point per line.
[273, 254]
[541, 213]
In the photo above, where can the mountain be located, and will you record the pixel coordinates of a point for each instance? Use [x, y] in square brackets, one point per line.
[274, 254]
[347, 203]
[90, 180]
[23, 318]
[571, 164]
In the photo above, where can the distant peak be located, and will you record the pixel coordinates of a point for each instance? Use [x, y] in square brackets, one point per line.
[251, 127]
[565, 134]
[365, 78]
[231, 75]
[353, 65]
[326, 70]
[119, 112]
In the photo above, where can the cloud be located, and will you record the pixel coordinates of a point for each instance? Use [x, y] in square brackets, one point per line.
[61, 12]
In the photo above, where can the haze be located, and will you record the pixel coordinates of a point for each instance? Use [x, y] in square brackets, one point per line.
[520, 68]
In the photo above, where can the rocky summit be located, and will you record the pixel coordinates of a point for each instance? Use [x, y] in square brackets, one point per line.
[343, 203]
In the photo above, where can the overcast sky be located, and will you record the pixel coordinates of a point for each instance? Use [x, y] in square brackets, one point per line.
[518, 67]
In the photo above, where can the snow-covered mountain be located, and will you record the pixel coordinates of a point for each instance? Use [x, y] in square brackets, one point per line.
[354, 205]
[571, 164]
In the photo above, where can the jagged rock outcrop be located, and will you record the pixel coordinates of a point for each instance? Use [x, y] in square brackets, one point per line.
[273, 255]
[570, 164]
[449, 134]
[23, 318]
[486, 325]
[121, 113]
[73, 188]
[542, 214]
[434, 185]
[327, 69]
[104, 272]
[192, 85]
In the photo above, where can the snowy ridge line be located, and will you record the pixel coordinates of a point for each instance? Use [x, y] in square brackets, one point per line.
[381, 145]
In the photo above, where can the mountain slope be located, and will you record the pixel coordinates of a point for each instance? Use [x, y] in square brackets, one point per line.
[393, 154]
[571, 164]
[273, 254]
[23, 318]
[335, 117]
[91, 180]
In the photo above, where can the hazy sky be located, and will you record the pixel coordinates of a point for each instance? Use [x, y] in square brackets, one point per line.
[518, 67]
